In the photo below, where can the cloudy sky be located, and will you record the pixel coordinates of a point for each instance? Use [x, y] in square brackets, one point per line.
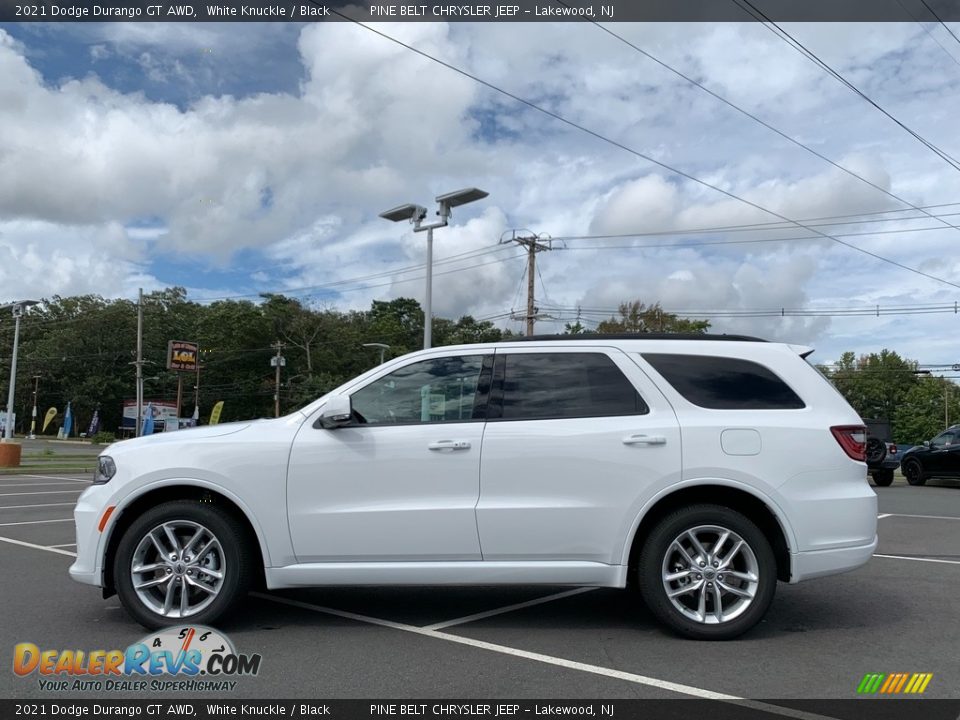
[244, 158]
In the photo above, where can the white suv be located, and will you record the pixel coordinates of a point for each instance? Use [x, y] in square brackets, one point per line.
[701, 469]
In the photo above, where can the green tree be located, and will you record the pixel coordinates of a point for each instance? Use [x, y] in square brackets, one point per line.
[637, 317]
[921, 412]
[874, 384]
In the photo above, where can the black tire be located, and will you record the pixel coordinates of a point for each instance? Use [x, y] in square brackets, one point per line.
[658, 550]
[913, 471]
[876, 451]
[236, 557]
[883, 477]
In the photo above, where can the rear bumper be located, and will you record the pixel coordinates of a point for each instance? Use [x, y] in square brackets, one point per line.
[819, 563]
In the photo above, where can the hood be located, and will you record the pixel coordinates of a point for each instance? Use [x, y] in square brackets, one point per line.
[184, 435]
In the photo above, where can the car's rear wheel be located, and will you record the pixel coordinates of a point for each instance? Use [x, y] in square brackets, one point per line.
[913, 471]
[181, 561]
[707, 572]
[883, 477]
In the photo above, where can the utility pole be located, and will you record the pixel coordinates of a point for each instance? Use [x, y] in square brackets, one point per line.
[33, 421]
[196, 394]
[533, 244]
[278, 361]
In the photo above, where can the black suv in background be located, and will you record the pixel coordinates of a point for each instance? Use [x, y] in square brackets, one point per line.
[939, 457]
[881, 453]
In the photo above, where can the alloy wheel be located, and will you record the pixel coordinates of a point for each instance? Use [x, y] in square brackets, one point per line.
[710, 574]
[178, 568]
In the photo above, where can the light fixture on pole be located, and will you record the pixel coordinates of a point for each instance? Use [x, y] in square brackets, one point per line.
[416, 214]
[383, 348]
[17, 308]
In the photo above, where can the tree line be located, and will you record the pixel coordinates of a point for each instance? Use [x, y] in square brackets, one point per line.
[81, 349]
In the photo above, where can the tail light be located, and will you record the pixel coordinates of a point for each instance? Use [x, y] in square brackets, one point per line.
[853, 440]
[892, 448]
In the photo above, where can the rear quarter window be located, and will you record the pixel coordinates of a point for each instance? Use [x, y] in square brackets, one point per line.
[723, 383]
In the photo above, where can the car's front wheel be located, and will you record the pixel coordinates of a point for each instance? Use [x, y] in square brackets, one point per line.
[708, 572]
[182, 560]
[913, 471]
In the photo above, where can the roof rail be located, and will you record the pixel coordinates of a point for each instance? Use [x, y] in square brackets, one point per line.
[640, 336]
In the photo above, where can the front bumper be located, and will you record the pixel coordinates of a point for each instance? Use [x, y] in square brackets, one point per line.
[90, 507]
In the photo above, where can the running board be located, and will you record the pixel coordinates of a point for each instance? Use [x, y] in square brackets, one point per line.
[477, 572]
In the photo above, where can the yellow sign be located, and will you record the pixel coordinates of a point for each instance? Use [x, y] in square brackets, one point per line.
[215, 415]
[51, 414]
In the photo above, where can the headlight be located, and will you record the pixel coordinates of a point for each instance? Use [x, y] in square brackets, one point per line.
[106, 469]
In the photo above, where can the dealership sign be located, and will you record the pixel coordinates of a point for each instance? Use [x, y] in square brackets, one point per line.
[182, 355]
[162, 412]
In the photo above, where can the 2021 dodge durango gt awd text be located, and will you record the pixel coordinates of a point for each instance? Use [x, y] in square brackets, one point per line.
[699, 470]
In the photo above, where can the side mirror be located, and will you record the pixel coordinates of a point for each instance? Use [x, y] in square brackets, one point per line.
[926, 443]
[336, 412]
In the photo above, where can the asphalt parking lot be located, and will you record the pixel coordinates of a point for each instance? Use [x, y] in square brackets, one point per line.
[897, 614]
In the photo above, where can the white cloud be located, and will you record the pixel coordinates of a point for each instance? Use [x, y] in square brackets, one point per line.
[300, 176]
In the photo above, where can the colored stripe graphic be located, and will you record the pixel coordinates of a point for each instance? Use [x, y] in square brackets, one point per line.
[894, 683]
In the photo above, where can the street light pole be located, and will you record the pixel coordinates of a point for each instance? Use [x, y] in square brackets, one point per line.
[416, 214]
[428, 310]
[17, 309]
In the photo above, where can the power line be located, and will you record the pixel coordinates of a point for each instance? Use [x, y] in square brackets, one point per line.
[810, 55]
[706, 243]
[767, 226]
[940, 20]
[854, 311]
[756, 119]
[929, 34]
[637, 153]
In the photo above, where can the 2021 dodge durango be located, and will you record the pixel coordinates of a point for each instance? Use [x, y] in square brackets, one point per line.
[699, 470]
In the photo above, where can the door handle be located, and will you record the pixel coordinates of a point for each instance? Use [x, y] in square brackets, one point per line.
[449, 445]
[644, 440]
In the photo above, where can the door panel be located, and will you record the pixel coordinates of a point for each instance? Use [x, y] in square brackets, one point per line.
[401, 482]
[381, 493]
[569, 488]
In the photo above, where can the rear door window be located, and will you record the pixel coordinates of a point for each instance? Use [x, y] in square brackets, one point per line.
[539, 386]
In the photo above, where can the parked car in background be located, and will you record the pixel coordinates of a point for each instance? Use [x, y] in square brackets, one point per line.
[938, 458]
[882, 455]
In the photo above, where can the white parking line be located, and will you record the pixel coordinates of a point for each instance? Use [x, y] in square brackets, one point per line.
[63, 545]
[37, 547]
[918, 559]
[35, 522]
[515, 652]
[924, 517]
[551, 660]
[508, 608]
[53, 477]
[882, 516]
[42, 492]
[9, 485]
[23, 507]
